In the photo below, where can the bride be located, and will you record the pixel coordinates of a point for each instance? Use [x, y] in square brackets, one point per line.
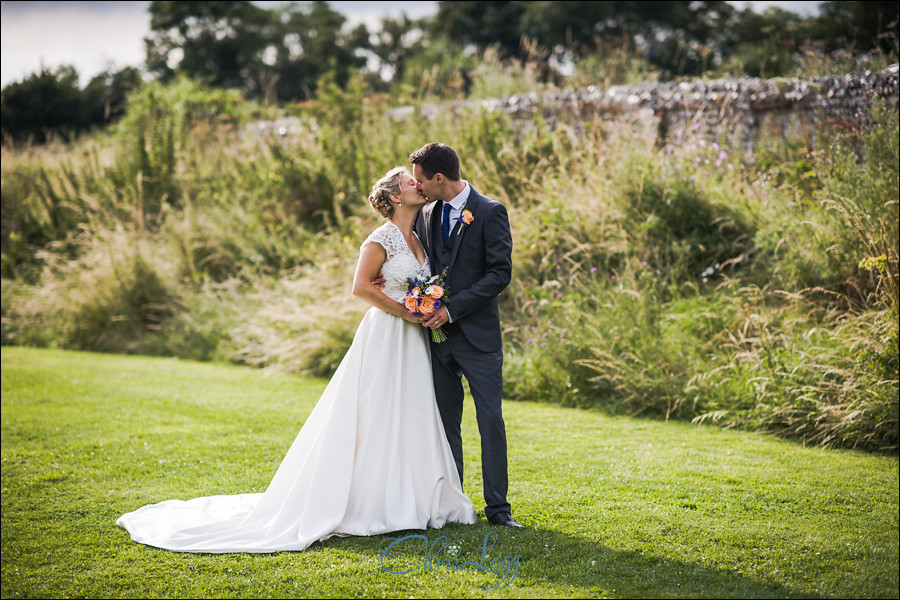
[372, 457]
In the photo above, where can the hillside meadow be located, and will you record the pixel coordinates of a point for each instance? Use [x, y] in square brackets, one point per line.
[690, 282]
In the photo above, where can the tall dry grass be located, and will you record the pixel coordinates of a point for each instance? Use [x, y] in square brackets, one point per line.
[686, 282]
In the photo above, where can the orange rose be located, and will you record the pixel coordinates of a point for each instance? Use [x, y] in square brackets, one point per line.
[427, 306]
[437, 291]
[467, 217]
[412, 305]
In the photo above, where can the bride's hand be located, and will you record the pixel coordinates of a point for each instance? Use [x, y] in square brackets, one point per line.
[408, 316]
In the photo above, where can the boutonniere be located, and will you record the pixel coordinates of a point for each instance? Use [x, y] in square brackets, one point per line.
[465, 218]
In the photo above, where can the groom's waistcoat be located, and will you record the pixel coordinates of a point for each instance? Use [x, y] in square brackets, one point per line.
[478, 258]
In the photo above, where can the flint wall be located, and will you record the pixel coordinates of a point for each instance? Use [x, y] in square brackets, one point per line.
[731, 110]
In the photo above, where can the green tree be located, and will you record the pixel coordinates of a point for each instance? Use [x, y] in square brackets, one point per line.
[106, 94]
[310, 43]
[682, 37]
[43, 104]
[763, 44]
[398, 40]
[862, 26]
[481, 24]
[220, 43]
[274, 54]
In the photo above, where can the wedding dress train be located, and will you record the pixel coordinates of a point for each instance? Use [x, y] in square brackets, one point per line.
[371, 458]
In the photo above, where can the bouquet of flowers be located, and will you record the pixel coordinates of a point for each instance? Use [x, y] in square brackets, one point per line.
[424, 296]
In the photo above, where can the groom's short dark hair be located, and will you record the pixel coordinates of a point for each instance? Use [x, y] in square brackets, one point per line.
[437, 158]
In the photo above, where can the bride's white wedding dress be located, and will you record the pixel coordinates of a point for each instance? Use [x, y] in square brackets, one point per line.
[371, 458]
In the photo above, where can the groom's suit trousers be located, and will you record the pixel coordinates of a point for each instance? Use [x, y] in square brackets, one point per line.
[484, 373]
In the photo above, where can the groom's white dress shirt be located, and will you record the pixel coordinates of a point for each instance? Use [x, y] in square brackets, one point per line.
[456, 208]
[457, 204]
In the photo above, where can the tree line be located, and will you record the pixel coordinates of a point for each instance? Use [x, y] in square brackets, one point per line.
[283, 54]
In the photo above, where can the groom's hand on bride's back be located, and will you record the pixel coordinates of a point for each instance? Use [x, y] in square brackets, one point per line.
[379, 280]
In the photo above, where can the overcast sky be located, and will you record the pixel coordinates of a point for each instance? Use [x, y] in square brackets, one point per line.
[92, 36]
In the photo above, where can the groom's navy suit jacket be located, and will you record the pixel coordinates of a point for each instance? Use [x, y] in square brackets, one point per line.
[478, 258]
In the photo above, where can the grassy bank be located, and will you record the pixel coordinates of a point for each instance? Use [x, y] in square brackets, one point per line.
[614, 506]
[692, 281]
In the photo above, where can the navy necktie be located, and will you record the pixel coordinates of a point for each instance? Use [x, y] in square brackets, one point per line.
[445, 227]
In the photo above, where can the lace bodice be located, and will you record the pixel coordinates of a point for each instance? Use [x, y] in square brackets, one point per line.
[401, 264]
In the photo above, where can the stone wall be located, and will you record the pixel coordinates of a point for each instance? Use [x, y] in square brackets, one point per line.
[731, 110]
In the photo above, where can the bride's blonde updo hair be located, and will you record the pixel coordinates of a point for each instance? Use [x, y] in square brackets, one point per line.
[380, 198]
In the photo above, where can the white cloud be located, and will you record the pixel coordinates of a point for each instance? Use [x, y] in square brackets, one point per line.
[91, 38]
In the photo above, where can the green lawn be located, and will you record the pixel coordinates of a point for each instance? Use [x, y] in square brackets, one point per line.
[614, 507]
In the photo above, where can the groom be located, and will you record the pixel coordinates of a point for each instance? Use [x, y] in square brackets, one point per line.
[468, 234]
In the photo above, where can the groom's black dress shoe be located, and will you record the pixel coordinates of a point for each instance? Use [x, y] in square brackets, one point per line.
[504, 519]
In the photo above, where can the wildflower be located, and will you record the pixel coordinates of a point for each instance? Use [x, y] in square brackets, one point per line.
[593, 269]
[549, 323]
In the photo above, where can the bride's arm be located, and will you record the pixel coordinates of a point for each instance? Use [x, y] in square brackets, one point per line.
[371, 259]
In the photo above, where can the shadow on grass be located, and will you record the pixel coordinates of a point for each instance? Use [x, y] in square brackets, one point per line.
[551, 558]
